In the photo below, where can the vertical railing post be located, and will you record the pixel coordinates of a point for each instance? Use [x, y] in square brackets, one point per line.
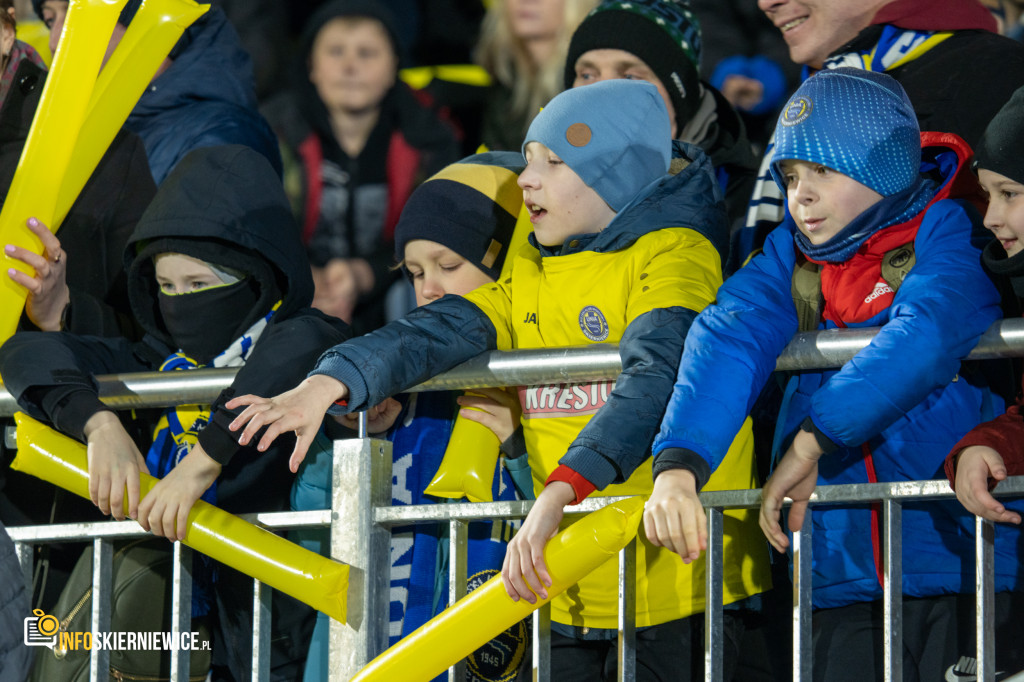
[261, 596]
[181, 609]
[542, 644]
[984, 567]
[803, 658]
[26, 554]
[892, 521]
[458, 539]
[102, 561]
[627, 613]
[713, 628]
[361, 480]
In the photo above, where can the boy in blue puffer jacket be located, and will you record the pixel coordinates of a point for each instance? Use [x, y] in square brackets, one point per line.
[873, 237]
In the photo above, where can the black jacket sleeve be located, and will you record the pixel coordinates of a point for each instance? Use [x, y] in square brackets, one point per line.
[50, 374]
[282, 358]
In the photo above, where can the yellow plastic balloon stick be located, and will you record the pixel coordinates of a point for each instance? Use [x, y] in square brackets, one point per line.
[51, 139]
[153, 32]
[467, 468]
[274, 561]
[488, 610]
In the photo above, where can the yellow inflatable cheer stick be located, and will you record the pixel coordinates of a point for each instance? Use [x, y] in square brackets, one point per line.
[309, 577]
[488, 610]
[467, 468]
[155, 29]
[51, 140]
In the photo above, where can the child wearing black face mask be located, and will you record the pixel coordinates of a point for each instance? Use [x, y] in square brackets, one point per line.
[217, 278]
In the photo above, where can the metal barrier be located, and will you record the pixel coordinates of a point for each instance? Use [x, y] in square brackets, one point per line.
[362, 495]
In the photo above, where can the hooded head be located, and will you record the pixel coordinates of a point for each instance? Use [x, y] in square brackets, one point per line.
[664, 34]
[615, 135]
[1001, 148]
[857, 122]
[470, 207]
[223, 206]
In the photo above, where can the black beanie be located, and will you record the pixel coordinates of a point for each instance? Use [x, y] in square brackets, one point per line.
[662, 33]
[1001, 148]
[470, 207]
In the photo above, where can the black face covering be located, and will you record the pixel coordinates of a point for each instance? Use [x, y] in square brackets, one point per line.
[204, 323]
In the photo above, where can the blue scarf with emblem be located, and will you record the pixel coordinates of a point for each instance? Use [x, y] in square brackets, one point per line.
[177, 431]
[419, 553]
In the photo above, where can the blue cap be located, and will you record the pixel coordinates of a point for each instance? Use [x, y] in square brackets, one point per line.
[614, 134]
[860, 123]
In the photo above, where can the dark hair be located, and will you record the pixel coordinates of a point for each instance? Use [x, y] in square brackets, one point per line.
[6, 15]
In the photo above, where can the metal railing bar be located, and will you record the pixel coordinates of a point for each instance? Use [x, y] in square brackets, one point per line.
[181, 609]
[713, 626]
[541, 645]
[626, 659]
[130, 529]
[102, 564]
[802, 650]
[458, 540]
[729, 499]
[984, 567]
[892, 523]
[808, 350]
[261, 595]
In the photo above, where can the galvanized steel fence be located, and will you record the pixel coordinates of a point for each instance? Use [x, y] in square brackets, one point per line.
[361, 516]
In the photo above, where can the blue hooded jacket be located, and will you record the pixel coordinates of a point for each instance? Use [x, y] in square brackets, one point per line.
[892, 413]
[204, 99]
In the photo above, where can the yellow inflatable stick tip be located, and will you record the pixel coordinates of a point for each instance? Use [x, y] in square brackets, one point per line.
[274, 561]
[488, 610]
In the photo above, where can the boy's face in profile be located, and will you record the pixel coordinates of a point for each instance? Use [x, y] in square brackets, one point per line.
[177, 273]
[1005, 214]
[560, 203]
[595, 66]
[352, 64]
[822, 200]
[436, 270]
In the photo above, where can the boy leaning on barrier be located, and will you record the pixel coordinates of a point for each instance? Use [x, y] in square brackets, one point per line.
[452, 237]
[622, 252]
[872, 238]
[994, 450]
[217, 278]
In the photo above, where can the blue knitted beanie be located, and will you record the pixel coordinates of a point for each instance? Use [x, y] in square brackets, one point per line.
[858, 122]
[614, 134]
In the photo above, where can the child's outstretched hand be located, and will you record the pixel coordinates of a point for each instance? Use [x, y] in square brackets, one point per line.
[674, 517]
[974, 467]
[496, 408]
[795, 477]
[301, 410]
[525, 573]
[114, 465]
[164, 510]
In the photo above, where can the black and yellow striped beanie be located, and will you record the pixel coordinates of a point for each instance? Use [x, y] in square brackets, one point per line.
[470, 207]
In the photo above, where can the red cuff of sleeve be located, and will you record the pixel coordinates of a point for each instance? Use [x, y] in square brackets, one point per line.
[581, 486]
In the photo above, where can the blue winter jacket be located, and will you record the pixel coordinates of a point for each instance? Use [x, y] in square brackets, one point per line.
[893, 412]
[204, 99]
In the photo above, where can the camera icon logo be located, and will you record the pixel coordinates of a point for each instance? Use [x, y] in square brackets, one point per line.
[41, 629]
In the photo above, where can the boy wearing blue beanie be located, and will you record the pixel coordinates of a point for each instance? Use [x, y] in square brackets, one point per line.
[874, 237]
[623, 251]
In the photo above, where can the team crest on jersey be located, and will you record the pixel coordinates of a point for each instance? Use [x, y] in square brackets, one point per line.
[798, 109]
[593, 324]
[498, 660]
